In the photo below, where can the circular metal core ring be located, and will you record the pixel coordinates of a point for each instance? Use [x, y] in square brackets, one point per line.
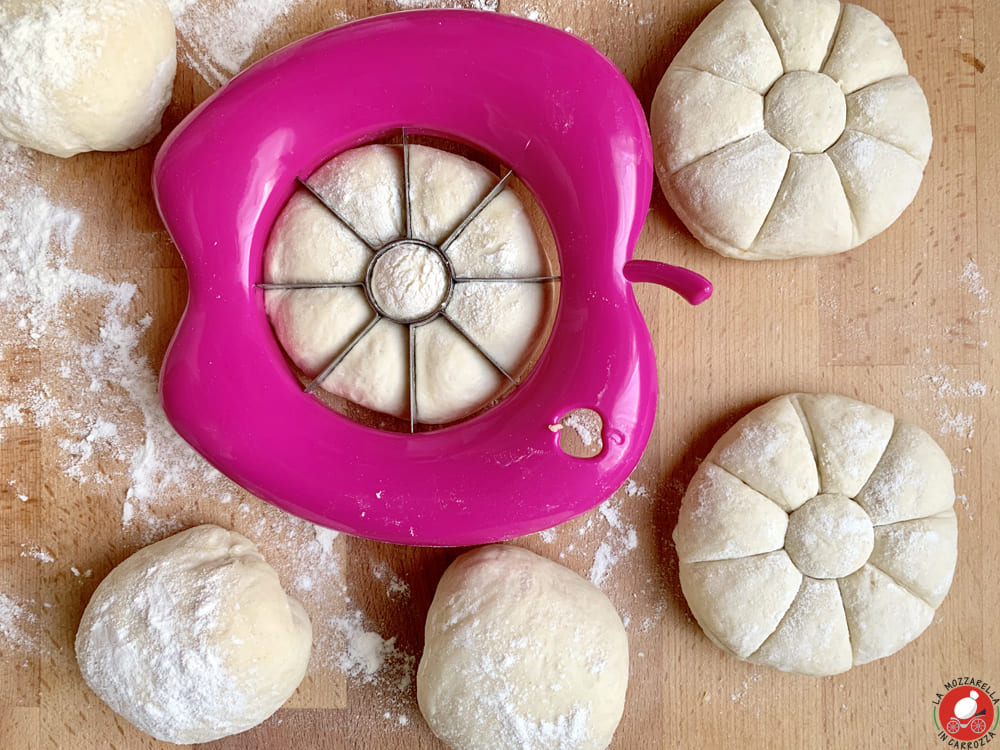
[409, 281]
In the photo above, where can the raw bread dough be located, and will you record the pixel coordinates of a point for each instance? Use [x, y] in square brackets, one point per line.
[520, 652]
[192, 638]
[84, 75]
[365, 188]
[786, 128]
[819, 533]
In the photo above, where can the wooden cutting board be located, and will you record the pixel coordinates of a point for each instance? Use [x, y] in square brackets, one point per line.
[906, 322]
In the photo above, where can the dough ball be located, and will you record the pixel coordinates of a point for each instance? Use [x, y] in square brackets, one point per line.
[192, 638]
[818, 534]
[84, 75]
[786, 128]
[475, 324]
[521, 652]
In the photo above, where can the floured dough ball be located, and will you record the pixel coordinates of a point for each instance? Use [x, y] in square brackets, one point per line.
[520, 652]
[84, 75]
[818, 534]
[355, 285]
[192, 638]
[786, 128]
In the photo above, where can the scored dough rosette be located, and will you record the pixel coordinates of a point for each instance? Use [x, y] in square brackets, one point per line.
[786, 128]
[818, 534]
[466, 298]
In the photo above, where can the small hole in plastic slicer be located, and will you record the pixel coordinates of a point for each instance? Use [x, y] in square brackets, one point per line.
[580, 433]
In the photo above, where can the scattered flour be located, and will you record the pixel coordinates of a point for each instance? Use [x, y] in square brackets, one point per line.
[324, 539]
[371, 659]
[956, 423]
[739, 694]
[18, 625]
[548, 536]
[620, 539]
[34, 277]
[38, 553]
[944, 387]
[102, 400]
[587, 425]
[394, 585]
[216, 39]
[963, 500]
[973, 281]
[955, 397]
[104, 387]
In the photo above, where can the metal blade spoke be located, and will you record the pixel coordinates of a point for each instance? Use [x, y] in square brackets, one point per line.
[340, 357]
[511, 280]
[489, 358]
[497, 189]
[332, 210]
[310, 285]
[407, 206]
[413, 377]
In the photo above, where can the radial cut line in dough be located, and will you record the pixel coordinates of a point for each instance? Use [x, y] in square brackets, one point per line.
[879, 525]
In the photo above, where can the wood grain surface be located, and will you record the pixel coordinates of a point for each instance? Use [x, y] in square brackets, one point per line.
[906, 322]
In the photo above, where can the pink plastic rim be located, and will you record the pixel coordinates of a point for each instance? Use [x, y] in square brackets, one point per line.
[547, 105]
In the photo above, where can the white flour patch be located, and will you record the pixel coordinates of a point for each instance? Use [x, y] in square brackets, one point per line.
[101, 397]
[740, 694]
[963, 500]
[216, 39]
[324, 539]
[530, 12]
[36, 552]
[18, 625]
[548, 536]
[972, 280]
[619, 541]
[633, 489]
[973, 284]
[956, 423]
[956, 398]
[587, 425]
[395, 587]
[34, 276]
[369, 658]
[943, 386]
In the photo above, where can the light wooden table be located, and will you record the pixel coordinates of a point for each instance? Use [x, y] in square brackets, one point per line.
[906, 322]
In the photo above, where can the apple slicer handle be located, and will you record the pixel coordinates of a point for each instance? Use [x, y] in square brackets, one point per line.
[692, 286]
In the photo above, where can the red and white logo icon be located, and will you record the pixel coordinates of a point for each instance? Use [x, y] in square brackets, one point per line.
[965, 713]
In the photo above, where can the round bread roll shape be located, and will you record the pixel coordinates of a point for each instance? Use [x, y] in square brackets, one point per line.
[84, 75]
[468, 312]
[521, 652]
[818, 534]
[786, 128]
[192, 638]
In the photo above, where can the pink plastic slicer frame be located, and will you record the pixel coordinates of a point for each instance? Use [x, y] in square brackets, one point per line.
[547, 105]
